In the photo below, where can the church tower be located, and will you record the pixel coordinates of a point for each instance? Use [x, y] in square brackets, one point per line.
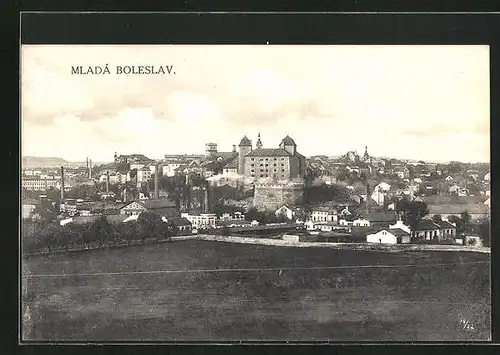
[245, 147]
[258, 145]
[366, 156]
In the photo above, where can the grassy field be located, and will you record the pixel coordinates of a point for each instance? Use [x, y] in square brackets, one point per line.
[257, 293]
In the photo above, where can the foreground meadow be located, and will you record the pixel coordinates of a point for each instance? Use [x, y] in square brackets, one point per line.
[203, 290]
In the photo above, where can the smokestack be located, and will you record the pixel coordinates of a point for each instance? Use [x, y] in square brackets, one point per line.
[156, 192]
[107, 181]
[206, 200]
[90, 169]
[62, 183]
[367, 196]
[411, 190]
[87, 164]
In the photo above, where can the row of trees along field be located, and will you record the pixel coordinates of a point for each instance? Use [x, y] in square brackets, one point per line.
[44, 234]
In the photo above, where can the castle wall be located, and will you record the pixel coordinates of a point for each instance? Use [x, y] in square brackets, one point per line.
[272, 197]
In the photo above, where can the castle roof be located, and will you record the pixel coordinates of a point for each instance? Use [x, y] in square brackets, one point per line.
[269, 152]
[245, 142]
[288, 141]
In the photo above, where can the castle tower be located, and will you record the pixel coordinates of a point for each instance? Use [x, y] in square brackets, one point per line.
[289, 145]
[116, 158]
[245, 148]
[258, 145]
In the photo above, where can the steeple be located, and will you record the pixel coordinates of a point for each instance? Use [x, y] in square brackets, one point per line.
[259, 142]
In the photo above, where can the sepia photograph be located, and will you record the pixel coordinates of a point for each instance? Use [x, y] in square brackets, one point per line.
[187, 193]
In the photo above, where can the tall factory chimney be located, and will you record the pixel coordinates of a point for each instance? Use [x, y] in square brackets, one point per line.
[107, 181]
[206, 206]
[62, 183]
[367, 196]
[87, 164]
[411, 190]
[156, 191]
[90, 169]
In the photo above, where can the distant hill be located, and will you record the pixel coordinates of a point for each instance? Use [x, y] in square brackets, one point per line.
[30, 162]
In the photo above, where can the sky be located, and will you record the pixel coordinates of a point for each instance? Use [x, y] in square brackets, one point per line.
[410, 102]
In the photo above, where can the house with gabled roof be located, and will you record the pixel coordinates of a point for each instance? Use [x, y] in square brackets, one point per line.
[162, 206]
[389, 236]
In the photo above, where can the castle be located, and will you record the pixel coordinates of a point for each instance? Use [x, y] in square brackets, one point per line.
[281, 168]
[284, 163]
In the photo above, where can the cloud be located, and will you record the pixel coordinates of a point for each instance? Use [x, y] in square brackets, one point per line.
[328, 98]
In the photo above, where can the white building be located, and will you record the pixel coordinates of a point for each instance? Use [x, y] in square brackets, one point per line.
[236, 216]
[361, 222]
[488, 202]
[143, 174]
[389, 236]
[169, 169]
[400, 225]
[383, 186]
[345, 223]
[37, 184]
[324, 215]
[285, 211]
[201, 221]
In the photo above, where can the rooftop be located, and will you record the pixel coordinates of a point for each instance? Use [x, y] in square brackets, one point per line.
[427, 224]
[288, 141]
[157, 203]
[269, 152]
[245, 142]
[459, 208]
[398, 232]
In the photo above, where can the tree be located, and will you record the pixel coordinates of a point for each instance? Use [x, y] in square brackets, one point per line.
[413, 212]
[437, 218]
[457, 221]
[485, 231]
[129, 231]
[46, 237]
[100, 230]
[282, 217]
[151, 225]
[465, 216]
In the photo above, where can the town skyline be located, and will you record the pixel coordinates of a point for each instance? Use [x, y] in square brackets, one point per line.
[426, 103]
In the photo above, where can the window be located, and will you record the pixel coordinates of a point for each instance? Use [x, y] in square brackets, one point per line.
[282, 164]
[267, 164]
[253, 170]
[252, 159]
[283, 170]
[261, 175]
[261, 170]
[252, 164]
[274, 170]
[261, 164]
